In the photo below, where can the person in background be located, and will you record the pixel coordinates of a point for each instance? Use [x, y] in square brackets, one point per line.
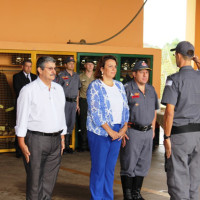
[107, 119]
[86, 78]
[182, 126]
[19, 81]
[136, 153]
[70, 82]
[40, 129]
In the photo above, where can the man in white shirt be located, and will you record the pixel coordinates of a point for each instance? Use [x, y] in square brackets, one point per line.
[40, 129]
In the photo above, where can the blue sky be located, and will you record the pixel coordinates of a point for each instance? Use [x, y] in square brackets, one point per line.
[164, 21]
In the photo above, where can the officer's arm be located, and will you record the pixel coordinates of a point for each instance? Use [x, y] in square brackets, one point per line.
[77, 98]
[154, 123]
[168, 119]
[77, 103]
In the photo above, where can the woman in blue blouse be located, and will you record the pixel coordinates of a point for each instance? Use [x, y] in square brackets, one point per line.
[107, 118]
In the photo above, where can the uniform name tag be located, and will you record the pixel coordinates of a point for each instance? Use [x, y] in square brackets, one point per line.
[136, 95]
[65, 77]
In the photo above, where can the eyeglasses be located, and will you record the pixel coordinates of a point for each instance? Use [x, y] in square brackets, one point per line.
[51, 68]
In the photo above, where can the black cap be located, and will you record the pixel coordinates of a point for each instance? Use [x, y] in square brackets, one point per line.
[140, 65]
[89, 61]
[69, 59]
[185, 48]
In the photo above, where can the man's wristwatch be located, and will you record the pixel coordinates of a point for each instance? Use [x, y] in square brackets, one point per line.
[166, 137]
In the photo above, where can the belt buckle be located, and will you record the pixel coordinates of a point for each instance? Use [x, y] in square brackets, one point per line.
[145, 128]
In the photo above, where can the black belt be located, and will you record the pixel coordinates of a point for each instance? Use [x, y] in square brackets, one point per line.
[45, 134]
[139, 127]
[185, 129]
[70, 99]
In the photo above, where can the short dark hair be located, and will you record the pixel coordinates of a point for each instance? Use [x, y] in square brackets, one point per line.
[190, 54]
[101, 64]
[44, 59]
[26, 61]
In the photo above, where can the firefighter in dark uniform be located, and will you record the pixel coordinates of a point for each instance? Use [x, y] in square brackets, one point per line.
[136, 152]
[70, 82]
[182, 126]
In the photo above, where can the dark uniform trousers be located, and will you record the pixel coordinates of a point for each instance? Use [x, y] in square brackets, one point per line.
[43, 166]
[70, 115]
[183, 172]
[135, 157]
[83, 119]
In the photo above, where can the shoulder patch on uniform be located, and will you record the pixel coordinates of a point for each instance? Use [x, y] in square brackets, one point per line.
[169, 82]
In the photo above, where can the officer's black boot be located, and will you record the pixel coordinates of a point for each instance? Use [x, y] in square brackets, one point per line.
[67, 142]
[127, 187]
[136, 187]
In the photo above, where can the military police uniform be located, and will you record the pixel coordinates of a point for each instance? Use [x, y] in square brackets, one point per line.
[85, 81]
[183, 167]
[182, 90]
[135, 157]
[71, 85]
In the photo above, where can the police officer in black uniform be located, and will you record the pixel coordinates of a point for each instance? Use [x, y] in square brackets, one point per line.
[182, 126]
[136, 152]
[71, 83]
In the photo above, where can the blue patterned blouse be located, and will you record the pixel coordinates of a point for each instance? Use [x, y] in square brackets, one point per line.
[99, 109]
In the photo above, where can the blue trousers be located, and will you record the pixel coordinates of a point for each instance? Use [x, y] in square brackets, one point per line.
[104, 153]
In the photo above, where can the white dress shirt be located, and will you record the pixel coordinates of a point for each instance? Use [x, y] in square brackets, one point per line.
[41, 109]
[29, 76]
